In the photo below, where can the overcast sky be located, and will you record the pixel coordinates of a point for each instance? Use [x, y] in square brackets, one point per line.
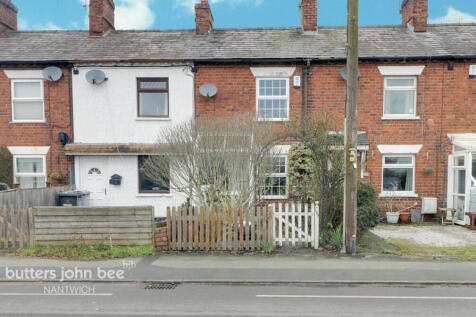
[179, 14]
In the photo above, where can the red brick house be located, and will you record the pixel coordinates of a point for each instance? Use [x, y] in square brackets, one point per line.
[416, 95]
[33, 112]
[417, 89]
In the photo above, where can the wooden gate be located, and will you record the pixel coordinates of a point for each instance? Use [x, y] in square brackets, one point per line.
[216, 229]
[296, 224]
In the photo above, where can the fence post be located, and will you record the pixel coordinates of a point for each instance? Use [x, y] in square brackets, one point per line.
[31, 226]
[316, 216]
[270, 226]
[5, 227]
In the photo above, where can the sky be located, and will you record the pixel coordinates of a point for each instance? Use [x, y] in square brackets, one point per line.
[179, 14]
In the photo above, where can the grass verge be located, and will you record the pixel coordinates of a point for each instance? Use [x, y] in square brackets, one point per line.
[88, 252]
[410, 249]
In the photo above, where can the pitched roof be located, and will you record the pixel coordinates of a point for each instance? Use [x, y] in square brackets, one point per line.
[456, 40]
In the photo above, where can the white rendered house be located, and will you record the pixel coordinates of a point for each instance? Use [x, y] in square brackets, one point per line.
[116, 124]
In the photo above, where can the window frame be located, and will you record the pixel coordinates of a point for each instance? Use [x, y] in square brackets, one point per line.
[19, 99]
[144, 192]
[258, 97]
[139, 90]
[17, 174]
[285, 174]
[406, 88]
[404, 193]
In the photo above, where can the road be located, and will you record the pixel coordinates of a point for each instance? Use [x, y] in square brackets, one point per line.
[133, 299]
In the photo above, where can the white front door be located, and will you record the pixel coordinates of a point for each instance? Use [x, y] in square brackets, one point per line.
[95, 179]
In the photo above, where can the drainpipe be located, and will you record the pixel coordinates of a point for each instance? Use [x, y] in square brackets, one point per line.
[305, 93]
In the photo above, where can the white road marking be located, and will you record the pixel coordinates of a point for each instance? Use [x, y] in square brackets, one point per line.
[368, 297]
[43, 294]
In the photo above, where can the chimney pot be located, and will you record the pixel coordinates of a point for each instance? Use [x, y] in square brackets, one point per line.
[203, 17]
[101, 17]
[8, 16]
[415, 14]
[308, 15]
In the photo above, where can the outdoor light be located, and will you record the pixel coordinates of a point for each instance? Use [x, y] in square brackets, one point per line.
[63, 137]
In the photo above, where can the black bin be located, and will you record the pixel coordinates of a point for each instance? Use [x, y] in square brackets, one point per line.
[73, 198]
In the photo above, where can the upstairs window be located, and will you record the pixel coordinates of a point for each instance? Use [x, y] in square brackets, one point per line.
[30, 171]
[27, 101]
[400, 97]
[153, 97]
[273, 99]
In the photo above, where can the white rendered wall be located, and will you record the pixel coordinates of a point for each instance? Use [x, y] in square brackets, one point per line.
[126, 194]
[107, 113]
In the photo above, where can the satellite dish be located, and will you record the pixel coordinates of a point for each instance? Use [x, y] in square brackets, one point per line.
[343, 73]
[96, 77]
[208, 90]
[52, 73]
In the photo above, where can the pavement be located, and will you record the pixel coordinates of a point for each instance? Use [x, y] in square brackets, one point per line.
[245, 269]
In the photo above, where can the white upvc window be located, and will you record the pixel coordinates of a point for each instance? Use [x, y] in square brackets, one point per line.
[398, 175]
[27, 100]
[30, 171]
[400, 97]
[272, 99]
[276, 184]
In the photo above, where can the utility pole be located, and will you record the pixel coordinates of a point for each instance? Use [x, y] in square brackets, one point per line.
[350, 139]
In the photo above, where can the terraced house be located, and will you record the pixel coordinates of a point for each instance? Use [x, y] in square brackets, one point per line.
[417, 93]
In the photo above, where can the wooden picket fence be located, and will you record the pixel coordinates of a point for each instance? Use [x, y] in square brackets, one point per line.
[16, 228]
[219, 229]
[296, 225]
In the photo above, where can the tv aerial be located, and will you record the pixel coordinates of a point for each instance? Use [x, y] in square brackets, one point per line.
[96, 77]
[208, 90]
[52, 73]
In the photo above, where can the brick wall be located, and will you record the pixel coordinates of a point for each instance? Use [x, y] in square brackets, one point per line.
[57, 114]
[161, 237]
[8, 16]
[445, 100]
[101, 16]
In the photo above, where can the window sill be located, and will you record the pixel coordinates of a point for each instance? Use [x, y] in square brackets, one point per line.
[275, 197]
[155, 195]
[272, 120]
[152, 119]
[26, 121]
[400, 118]
[398, 195]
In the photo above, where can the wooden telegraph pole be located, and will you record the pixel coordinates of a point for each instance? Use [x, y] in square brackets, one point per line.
[350, 191]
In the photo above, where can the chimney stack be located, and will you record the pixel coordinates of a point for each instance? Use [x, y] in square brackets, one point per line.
[8, 16]
[203, 17]
[308, 15]
[415, 14]
[101, 17]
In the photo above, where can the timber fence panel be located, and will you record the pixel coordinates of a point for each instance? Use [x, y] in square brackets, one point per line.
[92, 225]
[219, 228]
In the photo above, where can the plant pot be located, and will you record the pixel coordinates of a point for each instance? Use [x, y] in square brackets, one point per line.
[404, 216]
[392, 217]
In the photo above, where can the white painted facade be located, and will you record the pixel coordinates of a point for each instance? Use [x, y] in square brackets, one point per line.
[107, 114]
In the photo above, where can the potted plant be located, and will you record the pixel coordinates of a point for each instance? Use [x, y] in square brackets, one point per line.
[56, 176]
[392, 217]
[404, 216]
